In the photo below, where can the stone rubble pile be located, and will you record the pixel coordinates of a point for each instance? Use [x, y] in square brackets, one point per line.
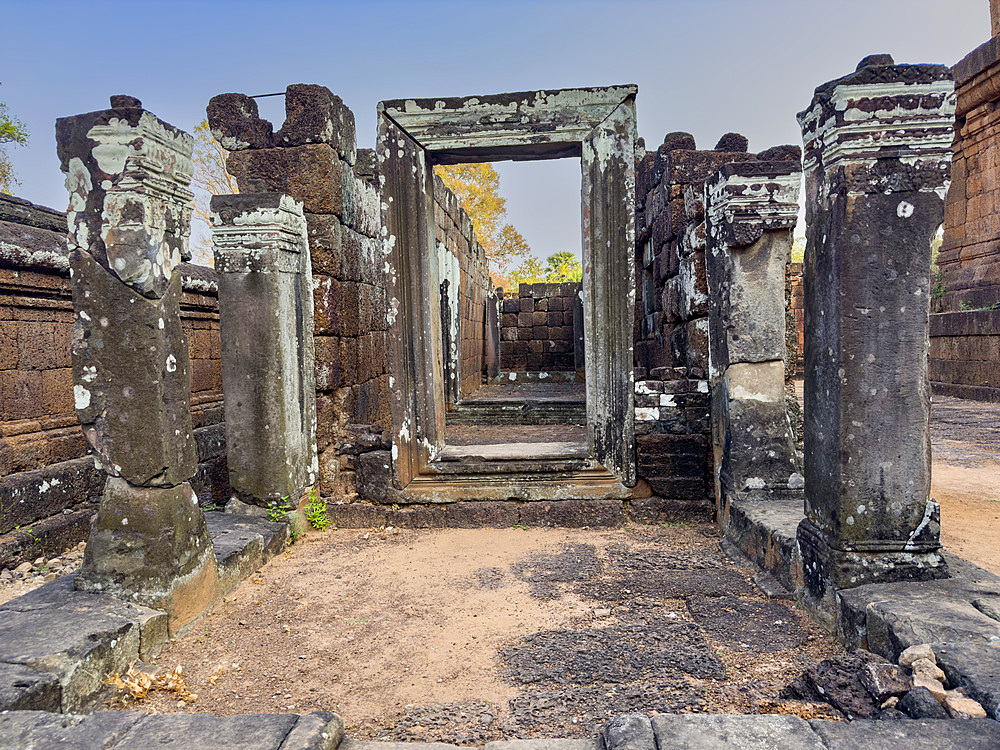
[862, 685]
[928, 696]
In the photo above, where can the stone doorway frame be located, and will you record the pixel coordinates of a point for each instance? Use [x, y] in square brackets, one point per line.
[597, 125]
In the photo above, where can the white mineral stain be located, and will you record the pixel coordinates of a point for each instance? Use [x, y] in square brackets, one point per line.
[81, 397]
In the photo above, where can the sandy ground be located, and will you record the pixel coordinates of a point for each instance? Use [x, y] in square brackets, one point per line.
[434, 634]
[965, 478]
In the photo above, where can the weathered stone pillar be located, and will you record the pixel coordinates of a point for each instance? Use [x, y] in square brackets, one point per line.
[750, 213]
[127, 174]
[995, 16]
[266, 326]
[877, 156]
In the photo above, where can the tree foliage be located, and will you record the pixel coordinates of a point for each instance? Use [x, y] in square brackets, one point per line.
[477, 187]
[559, 267]
[210, 178]
[12, 130]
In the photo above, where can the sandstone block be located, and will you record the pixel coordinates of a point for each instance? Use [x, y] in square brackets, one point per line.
[313, 114]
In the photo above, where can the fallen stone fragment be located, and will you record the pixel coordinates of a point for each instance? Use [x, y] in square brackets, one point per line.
[927, 668]
[934, 686]
[975, 667]
[890, 702]
[913, 653]
[838, 681]
[884, 680]
[960, 706]
[920, 703]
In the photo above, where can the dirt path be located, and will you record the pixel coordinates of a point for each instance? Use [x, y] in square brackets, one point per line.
[472, 635]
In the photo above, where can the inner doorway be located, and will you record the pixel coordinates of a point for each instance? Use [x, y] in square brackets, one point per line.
[596, 125]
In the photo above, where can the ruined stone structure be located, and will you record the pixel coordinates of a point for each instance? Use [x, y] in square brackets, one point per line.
[877, 161]
[314, 159]
[538, 330]
[129, 219]
[358, 321]
[266, 317]
[750, 209]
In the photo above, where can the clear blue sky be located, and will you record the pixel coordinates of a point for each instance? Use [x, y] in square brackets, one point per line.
[704, 66]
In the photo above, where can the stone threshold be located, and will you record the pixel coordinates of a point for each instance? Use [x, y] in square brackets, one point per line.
[58, 645]
[959, 616]
[127, 730]
[500, 514]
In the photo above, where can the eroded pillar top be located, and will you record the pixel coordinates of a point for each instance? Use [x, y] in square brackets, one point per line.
[882, 110]
[127, 173]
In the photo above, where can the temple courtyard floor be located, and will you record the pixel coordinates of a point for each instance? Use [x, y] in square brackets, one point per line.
[468, 636]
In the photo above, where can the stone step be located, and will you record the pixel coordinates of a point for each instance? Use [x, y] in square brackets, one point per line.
[134, 730]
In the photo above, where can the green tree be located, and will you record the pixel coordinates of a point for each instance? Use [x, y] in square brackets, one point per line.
[477, 187]
[559, 267]
[12, 130]
[564, 266]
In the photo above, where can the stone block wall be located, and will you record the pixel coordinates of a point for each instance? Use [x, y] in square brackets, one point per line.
[47, 480]
[671, 327]
[969, 258]
[672, 436]
[465, 267]
[673, 427]
[536, 328]
[795, 324]
[964, 354]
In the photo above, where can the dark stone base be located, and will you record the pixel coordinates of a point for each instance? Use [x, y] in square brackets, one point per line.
[825, 569]
[151, 545]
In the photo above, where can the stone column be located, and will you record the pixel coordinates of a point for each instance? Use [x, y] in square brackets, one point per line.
[995, 16]
[127, 174]
[750, 213]
[266, 326]
[877, 157]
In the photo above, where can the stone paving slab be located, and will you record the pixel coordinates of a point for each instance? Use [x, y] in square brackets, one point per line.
[133, 730]
[74, 636]
[243, 544]
[975, 667]
[891, 617]
[349, 744]
[909, 734]
[38, 730]
[725, 732]
[546, 744]
[25, 689]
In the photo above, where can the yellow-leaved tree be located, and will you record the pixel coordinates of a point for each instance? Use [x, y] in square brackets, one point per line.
[210, 178]
[477, 187]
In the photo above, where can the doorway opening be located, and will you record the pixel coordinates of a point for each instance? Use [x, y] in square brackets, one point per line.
[431, 378]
